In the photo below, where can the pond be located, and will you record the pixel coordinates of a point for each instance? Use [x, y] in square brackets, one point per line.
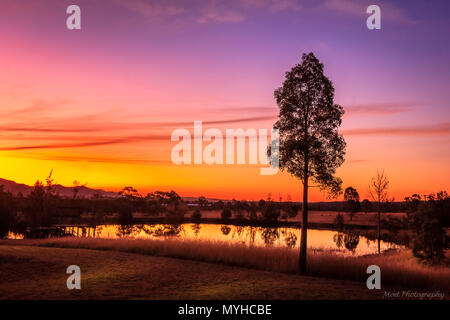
[348, 243]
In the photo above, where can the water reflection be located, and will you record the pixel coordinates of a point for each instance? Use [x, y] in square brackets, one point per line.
[162, 230]
[270, 235]
[196, 228]
[290, 239]
[349, 243]
[225, 230]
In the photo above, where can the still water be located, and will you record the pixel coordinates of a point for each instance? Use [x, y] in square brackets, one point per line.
[348, 243]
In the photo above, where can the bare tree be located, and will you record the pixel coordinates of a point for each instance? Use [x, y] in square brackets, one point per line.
[377, 190]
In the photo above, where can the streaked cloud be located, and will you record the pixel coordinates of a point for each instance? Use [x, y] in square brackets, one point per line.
[153, 9]
[220, 12]
[439, 129]
[72, 126]
[82, 158]
[209, 11]
[379, 108]
[388, 10]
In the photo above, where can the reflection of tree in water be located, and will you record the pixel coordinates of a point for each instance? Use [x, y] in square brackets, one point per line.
[270, 235]
[163, 230]
[196, 228]
[251, 233]
[348, 240]
[225, 230]
[290, 239]
[238, 230]
[125, 230]
[351, 241]
[97, 231]
[338, 238]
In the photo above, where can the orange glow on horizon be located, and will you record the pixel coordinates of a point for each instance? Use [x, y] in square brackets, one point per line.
[98, 106]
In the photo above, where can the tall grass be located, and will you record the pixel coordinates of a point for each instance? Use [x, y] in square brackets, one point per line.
[397, 268]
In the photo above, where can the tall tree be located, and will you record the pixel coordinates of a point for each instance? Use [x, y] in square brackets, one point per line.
[310, 146]
[378, 192]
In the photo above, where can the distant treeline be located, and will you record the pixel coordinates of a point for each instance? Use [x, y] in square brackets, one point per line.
[43, 206]
[427, 216]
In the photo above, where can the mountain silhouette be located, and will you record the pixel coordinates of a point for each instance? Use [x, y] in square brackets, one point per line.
[84, 192]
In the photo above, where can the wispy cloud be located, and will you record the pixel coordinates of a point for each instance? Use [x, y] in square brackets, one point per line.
[80, 158]
[219, 11]
[388, 10]
[206, 11]
[357, 161]
[153, 9]
[88, 143]
[36, 107]
[272, 5]
[379, 108]
[439, 129]
[69, 125]
[252, 109]
[67, 133]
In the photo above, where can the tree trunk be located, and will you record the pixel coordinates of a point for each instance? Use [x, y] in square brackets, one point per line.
[379, 226]
[303, 241]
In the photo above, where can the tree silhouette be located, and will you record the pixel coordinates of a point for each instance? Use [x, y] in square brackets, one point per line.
[428, 221]
[202, 202]
[310, 146]
[339, 221]
[351, 196]
[366, 206]
[226, 214]
[270, 211]
[129, 193]
[377, 190]
[7, 212]
[197, 214]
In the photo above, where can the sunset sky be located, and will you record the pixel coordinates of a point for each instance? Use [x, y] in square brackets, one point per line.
[98, 105]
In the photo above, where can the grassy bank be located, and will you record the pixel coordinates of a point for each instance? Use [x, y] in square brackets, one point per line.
[397, 268]
[39, 273]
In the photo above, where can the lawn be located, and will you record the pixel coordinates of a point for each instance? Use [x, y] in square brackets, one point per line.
[29, 272]
[174, 268]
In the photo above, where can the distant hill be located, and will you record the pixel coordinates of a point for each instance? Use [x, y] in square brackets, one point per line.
[194, 199]
[84, 192]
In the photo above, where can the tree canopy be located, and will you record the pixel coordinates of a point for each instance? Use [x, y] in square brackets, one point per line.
[310, 144]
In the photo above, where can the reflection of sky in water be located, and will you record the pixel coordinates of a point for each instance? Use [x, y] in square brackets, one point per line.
[318, 239]
[13, 235]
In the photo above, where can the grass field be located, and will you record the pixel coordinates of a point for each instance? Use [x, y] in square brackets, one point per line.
[398, 268]
[29, 272]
